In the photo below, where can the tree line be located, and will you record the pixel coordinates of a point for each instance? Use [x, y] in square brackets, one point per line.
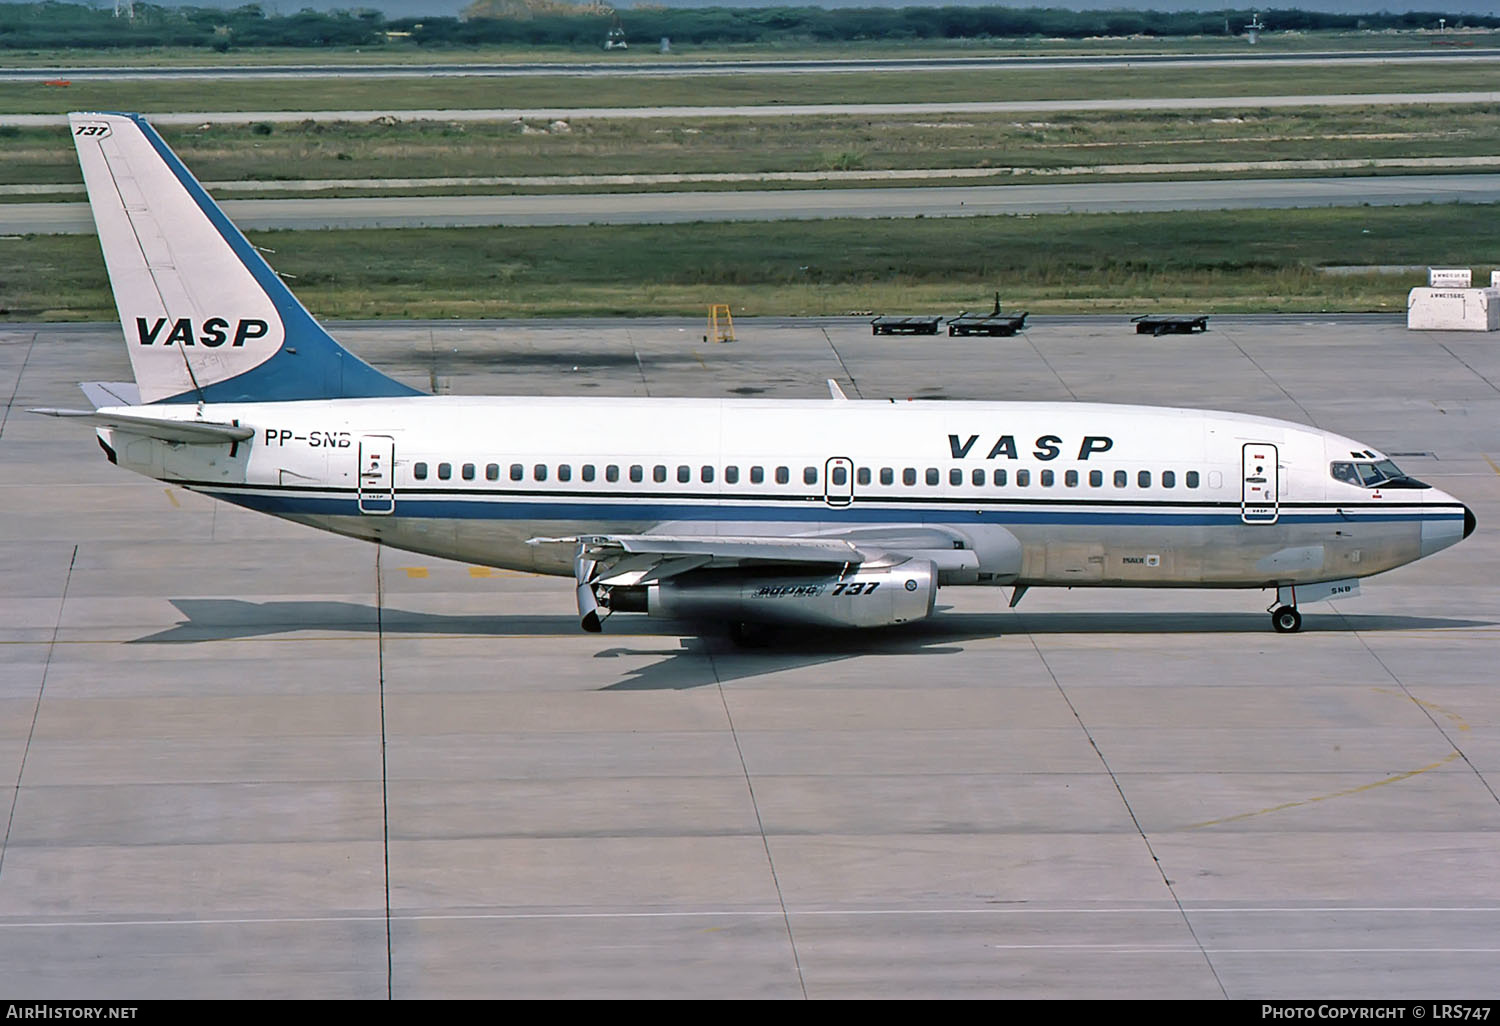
[56, 25]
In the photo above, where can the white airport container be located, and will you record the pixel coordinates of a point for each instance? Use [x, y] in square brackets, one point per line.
[1449, 278]
[1453, 309]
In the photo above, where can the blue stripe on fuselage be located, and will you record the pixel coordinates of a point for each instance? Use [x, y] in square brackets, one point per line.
[507, 508]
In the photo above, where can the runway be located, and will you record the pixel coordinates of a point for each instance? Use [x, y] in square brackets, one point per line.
[244, 759]
[782, 110]
[799, 204]
[667, 67]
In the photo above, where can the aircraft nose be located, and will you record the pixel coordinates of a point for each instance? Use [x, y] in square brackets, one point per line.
[1469, 521]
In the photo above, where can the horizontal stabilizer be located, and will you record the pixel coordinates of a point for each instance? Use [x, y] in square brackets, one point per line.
[111, 393]
[190, 432]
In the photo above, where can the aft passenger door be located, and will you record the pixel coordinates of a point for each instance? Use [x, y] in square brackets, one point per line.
[1261, 491]
[377, 479]
[838, 481]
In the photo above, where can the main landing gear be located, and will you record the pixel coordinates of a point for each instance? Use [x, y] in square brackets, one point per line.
[1286, 619]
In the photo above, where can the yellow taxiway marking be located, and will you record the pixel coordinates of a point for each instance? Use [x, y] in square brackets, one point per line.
[414, 572]
[1455, 718]
[481, 571]
[1328, 797]
[1493, 465]
[177, 505]
[1393, 779]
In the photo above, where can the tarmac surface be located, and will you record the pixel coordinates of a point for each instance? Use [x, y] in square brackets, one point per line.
[799, 204]
[240, 758]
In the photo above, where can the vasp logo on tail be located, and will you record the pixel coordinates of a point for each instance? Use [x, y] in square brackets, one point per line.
[213, 333]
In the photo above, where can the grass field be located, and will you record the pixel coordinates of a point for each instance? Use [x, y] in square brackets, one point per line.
[363, 93]
[1203, 262]
[365, 150]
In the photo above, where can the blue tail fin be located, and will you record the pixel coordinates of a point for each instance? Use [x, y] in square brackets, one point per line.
[205, 317]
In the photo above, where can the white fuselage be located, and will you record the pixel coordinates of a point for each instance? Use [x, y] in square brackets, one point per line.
[1095, 494]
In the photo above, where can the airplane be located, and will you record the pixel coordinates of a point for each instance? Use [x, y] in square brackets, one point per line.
[750, 512]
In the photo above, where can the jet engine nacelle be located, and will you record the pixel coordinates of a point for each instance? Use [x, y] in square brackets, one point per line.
[876, 597]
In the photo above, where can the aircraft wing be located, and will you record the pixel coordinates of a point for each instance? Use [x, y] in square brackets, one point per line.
[641, 558]
[633, 559]
[190, 432]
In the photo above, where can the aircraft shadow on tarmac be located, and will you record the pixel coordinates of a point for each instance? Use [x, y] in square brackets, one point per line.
[703, 657]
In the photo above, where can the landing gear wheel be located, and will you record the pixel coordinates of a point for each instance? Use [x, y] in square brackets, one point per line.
[1286, 619]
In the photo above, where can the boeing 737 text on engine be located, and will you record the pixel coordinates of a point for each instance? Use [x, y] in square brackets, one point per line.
[833, 513]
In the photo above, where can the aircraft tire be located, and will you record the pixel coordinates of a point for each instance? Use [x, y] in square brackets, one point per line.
[1286, 619]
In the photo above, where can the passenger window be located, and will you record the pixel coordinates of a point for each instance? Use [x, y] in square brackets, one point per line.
[1169, 479]
[612, 473]
[909, 476]
[517, 472]
[1070, 478]
[1121, 479]
[1047, 479]
[840, 476]
[863, 475]
[1192, 479]
[1000, 478]
[684, 474]
[977, 477]
[810, 475]
[757, 475]
[492, 471]
[955, 476]
[468, 471]
[887, 476]
[783, 475]
[1143, 479]
[1023, 478]
[565, 472]
[445, 471]
[637, 473]
[707, 475]
[588, 471]
[419, 471]
[1096, 479]
[932, 475]
[539, 472]
[659, 473]
[731, 475]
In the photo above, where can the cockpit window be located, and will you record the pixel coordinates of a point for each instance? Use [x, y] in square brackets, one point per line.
[1373, 474]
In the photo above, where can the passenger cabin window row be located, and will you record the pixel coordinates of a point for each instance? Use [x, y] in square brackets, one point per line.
[1000, 477]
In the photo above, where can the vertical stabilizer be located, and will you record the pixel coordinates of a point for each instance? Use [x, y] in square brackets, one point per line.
[205, 317]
